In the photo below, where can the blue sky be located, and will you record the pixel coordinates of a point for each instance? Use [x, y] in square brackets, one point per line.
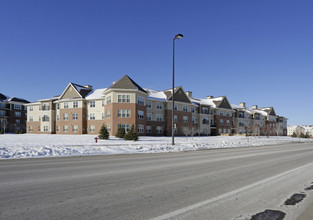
[254, 51]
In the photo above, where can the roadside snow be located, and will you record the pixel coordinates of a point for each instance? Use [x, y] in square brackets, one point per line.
[42, 145]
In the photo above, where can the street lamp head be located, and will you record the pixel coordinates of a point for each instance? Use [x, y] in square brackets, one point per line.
[178, 36]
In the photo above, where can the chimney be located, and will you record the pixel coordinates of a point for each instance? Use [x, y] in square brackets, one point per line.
[113, 82]
[88, 87]
[254, 107]
[209, 97]
[243, 105]
[189, 94]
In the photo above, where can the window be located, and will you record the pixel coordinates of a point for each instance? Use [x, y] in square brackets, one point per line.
[108, 127]
[123, 113]
[92, 128]
[228, 131]
[125, 126]
[30, 108]
[159, 117]
[227, 122]
[194, 120]
[2, 113]
[221, 122]
[220, 131]
[65, 104]
[17, 114]
[17, 106]
[159, 105]
[75, 128]
[123, 98]
[205, 110]
[185, 108]
[102, 103]
[149, 117]
[75, 104]
[45, 128]
[228, 114]
[65, 128]
[75, 116]
[45, 118]
[58, 128]
[148, 129]
[175, 118]
[92, 104]
[221, 113]
[58, 117]
[140, 114]
[45, 107]
[58, 106]
[193, 109]
[140, 100]
[149, 104]
[241, 124]
[241, 115]
[102, 115]
[224, 130]
[205, 121]
[159, 129]
[108, 99]
[65, 116]
[141, 129]
[108, 113]
[30, 128]
[185, 119]
[175, 107]
[30, 118]
[92, 116]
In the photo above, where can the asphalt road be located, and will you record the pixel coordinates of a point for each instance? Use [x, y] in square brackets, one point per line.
[209, 184]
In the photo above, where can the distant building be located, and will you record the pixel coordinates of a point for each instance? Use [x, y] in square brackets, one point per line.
[12, 114]
[82, 110]
[298, 129]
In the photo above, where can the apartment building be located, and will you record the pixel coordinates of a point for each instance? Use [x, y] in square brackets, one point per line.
[258, 121]
[12, 114]
[83, 110]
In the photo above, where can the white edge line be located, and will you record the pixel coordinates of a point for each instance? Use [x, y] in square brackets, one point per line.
[206, 202]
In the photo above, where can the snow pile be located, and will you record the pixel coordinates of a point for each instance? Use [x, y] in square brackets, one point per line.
[42, 145]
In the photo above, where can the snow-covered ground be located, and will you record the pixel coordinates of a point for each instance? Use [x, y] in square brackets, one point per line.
[39, 145]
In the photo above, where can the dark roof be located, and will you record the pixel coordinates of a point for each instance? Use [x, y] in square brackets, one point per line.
[82, 90]
[14, 99]
[127, 83]
[3, 97]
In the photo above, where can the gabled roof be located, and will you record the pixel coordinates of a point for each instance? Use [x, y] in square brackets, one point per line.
[269, 110]
[179, 93]
[14, 99]
[3, 97]
[82, 91]
[127, 83]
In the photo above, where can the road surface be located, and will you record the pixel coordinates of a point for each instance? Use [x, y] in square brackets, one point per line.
[230, 183]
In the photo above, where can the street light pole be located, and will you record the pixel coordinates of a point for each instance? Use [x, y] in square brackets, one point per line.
[178, 36]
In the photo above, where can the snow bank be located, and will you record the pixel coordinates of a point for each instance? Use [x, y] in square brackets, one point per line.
[41, 145]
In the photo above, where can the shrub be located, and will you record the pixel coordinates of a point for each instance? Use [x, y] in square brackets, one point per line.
[120, 132]
[131, 135]
[294, 134]
[103, 133]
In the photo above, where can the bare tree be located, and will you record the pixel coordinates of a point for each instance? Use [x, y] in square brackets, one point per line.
[3, 124]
